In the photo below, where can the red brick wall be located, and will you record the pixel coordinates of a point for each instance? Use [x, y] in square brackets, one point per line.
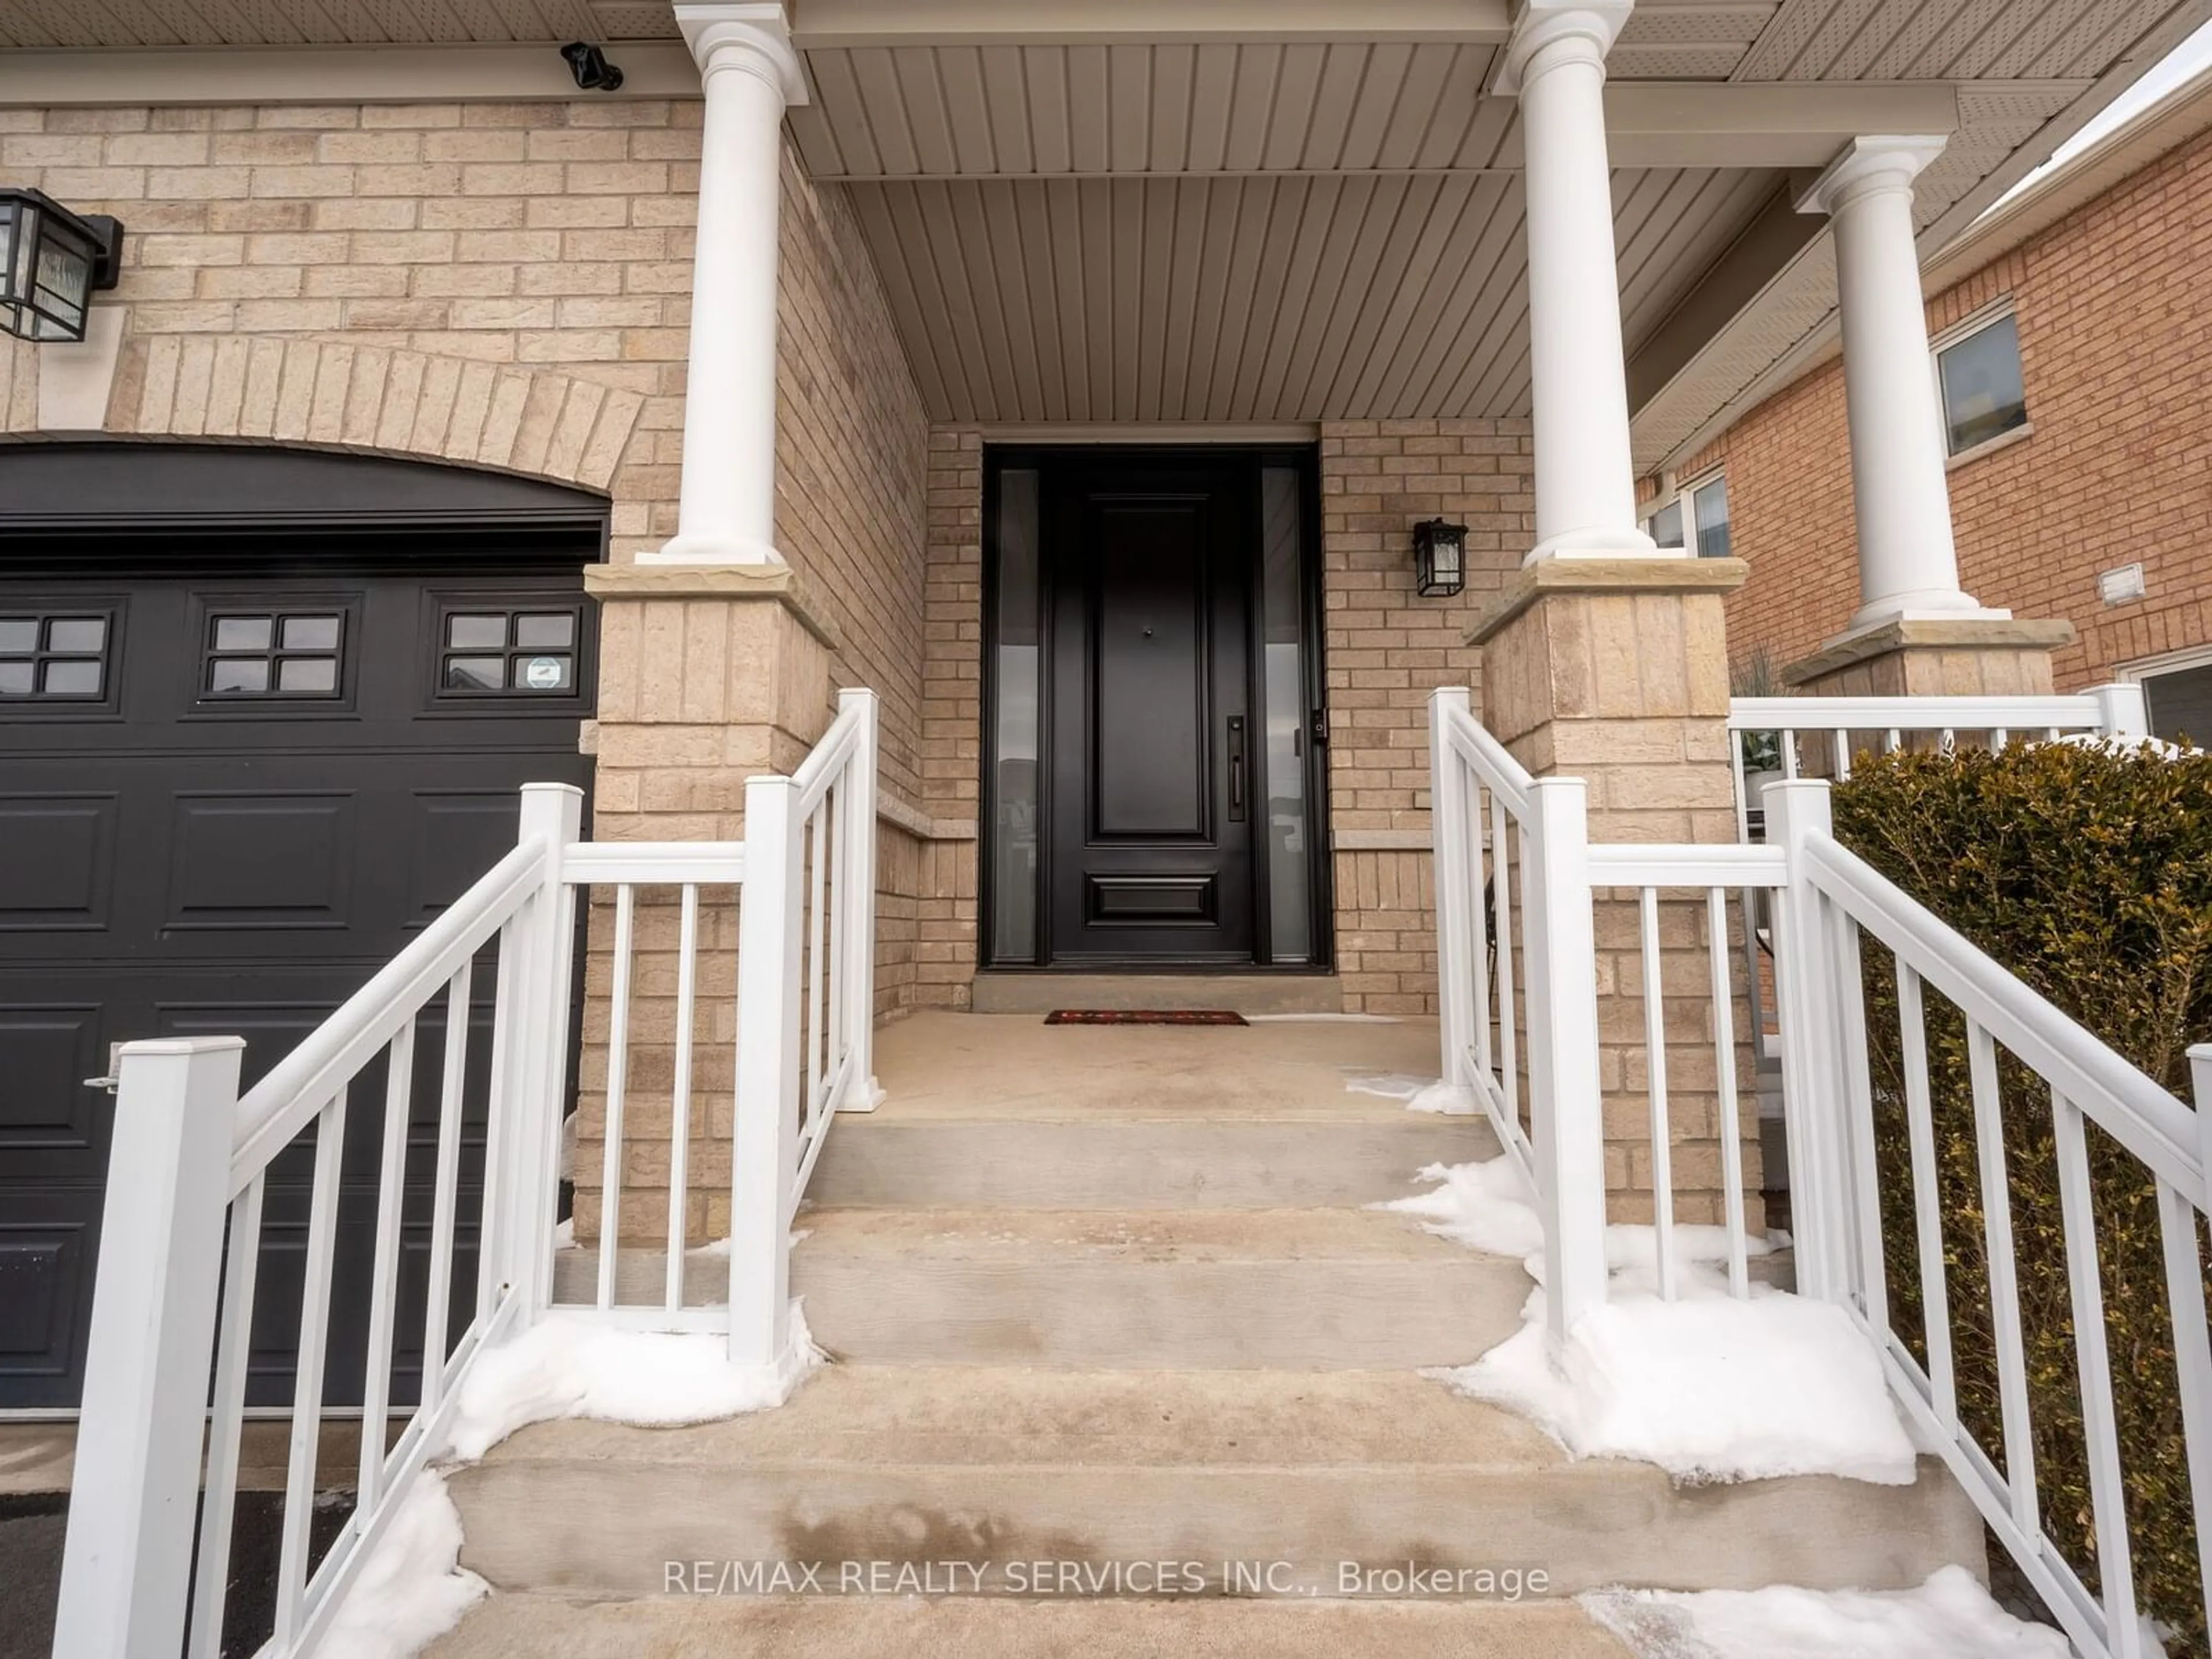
[2116, 348]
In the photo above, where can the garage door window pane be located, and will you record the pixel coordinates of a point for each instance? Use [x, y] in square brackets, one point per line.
[19, 635]
[238, 674]
[76, 633]
[308, 675]
[310, 632]
[241, 633]
[475, 673]
[18, 680]
[64, 677]
[554, 633]
[476, 632]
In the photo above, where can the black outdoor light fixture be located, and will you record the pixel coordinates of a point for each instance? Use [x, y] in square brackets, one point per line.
[590, 67]
[51, 263]
[1439, 558]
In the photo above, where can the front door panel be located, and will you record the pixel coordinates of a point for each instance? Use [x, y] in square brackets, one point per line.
[1149, 569]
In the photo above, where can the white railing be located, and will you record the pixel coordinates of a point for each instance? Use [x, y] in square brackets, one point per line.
[1818, 735]
[1822, 736]
[190, 1179]
[1495, 826]
[1836, 901]
[1515, 865]
[1826, 902]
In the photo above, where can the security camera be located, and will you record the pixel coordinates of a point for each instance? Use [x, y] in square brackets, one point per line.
[590, 67]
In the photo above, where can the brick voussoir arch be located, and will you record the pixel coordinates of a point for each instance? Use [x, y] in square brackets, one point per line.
[322, 394]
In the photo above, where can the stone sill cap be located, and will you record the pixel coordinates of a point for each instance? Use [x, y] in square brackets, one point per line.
[1930, 633]
[776, 584]
[1599, 576]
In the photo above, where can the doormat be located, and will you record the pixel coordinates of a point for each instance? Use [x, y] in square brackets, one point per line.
[1143, 1016]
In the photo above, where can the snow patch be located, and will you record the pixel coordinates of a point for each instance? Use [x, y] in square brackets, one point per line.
[1707, 1387]
[412, 1589]
[1949, 1617]
[1388, 1085]
[1485, 1207]
[570, 1365]
[1481, 1205]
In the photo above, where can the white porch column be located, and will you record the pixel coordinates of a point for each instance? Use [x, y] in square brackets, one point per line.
[1585, 476]
[1908, 562]
[726, 511]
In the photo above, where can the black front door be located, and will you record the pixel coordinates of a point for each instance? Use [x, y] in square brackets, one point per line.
[1151, 736]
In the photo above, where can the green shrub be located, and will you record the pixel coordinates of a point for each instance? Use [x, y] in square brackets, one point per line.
[2088, 872]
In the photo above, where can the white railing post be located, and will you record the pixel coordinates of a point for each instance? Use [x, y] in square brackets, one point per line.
[1567, 1111]
[552, 813]
[2200, 1067]
[2122, 710]
[1806, 998]
[135, 1493]
[858, 905]
[765, 1135]
[1457, 960]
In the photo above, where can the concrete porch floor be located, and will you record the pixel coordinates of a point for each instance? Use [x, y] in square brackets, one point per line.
[937, 1066]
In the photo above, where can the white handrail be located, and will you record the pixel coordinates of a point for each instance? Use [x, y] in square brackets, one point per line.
[1825, 900]
[191, 1161]
[2151, 1122]
[286, 1100]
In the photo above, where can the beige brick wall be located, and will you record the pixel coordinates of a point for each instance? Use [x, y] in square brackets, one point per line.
[534, 240]
[509, 285]
[2116, 349]
[1385, 649]
[952, 716]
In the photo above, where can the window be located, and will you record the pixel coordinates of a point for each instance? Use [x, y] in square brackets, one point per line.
[515, 654]
[54, 657]
[273, 654]
[1700, 508]
[2178, 688]
[1977, 371]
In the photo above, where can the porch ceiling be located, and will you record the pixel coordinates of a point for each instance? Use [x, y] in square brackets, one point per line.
[1158, 220]
[1278, 210]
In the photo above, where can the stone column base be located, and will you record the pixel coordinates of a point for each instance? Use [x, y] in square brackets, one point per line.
[1962, 657]
[708, 675]
[1615, 671]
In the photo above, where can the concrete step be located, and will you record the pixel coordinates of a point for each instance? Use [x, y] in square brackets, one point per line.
[1294, 1290]
[1240, 993]
[556, 1627]
[1135, 1163]
[997, 1468]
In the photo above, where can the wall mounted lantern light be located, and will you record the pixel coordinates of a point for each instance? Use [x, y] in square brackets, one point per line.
[51, 263]
[1439, 558]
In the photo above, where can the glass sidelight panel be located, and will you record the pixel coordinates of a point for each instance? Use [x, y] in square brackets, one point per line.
[1289, 835]
[1014, 745]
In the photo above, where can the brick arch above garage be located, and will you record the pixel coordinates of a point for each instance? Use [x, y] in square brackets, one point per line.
[538, 423]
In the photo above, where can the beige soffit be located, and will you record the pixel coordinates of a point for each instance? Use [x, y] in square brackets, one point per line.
[2171, 122]
[2094, 50]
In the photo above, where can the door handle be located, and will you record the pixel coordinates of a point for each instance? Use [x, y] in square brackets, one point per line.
[1236, 769]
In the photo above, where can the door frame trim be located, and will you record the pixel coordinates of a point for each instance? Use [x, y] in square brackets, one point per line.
[1304, 456]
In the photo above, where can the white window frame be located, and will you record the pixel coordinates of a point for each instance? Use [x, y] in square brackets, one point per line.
[1957, 335]
[2171, 662]
[1683, 494]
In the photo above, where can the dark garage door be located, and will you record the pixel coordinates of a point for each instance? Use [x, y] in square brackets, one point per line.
[261, 716]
